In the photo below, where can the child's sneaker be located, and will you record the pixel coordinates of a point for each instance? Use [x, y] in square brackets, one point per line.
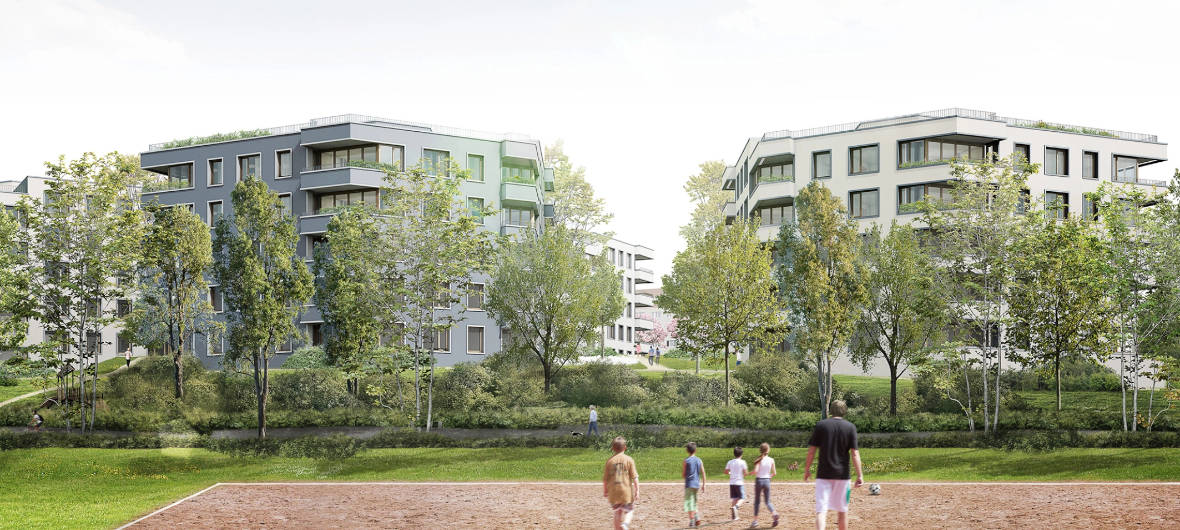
[754, 523]
[733, 512]
[775, 523]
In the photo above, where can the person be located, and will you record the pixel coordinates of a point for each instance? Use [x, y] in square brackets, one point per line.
[764, 469]
[835, 440]
[638, 351]
[651, 355]
[693, 471]
[593, 428]
[620, 484]
[737, 470]
[657, 355]
[127, 355]
[37, 420]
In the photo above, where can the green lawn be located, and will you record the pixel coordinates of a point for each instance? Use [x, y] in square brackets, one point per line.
[872, 387]
[24, 386]
[74, 488]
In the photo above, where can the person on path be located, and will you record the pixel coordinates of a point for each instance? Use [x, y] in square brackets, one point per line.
[593, 428]
[764, 469]
[37, 421]
[638, 351]
[693, 471]
[835, 440]
[737, 471]
[657, 355]
[127, 355]
[620, 484]
[651, 355]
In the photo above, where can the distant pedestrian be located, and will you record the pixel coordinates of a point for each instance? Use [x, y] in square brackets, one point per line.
[638, 351]
[835, 439]
[37, 421]
[657, 355]
[763, 471]
[620, 484]
[651, 356]
[593, 428]
[127, 355]
[693, 471]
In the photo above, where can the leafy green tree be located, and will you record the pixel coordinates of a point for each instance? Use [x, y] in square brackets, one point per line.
[704, 190]
[1060, 306]
[84, 239]
[574, 204]
[16, 302]
[722, 294]
[974, 236]
[906, 314]
[823, 280]
[552, 298]
[264, 282]
[172, 300]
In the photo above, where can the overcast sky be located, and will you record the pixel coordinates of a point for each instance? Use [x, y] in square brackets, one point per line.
[641, 92]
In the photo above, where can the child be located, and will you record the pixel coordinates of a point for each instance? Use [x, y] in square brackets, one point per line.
[620, 484]
[737, 470]
[693, 471]
[763, 470]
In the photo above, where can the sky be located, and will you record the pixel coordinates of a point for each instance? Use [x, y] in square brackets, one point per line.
[641, 92]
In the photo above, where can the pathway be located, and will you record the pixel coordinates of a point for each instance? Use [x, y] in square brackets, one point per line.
[36, 392]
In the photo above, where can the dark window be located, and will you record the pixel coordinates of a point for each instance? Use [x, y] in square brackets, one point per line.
[1089, 208]
[1056, 161]
[215, 212]
[215, 172]
[1057, 204]
[122, 308]
[180, 177]
[866, 203]
[821, 165]
[326, 202]
[1024, 151]
[215, 299]
[1090, 165]
[864, 159]
[357, 155]
[475, 339]
[475, 296]
[775, 215]
[283, 164]
[248, 166]
[908, 196]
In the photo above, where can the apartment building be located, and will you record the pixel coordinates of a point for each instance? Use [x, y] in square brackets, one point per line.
[110, 342]
[658, 316]
[318, 166]
[881, 168]
[623, 334]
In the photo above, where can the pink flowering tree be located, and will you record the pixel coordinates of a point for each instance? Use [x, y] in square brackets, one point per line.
[659, 333]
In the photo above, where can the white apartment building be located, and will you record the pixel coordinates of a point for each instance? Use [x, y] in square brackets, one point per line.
[622, 335]
[879, 167]
[110, 343]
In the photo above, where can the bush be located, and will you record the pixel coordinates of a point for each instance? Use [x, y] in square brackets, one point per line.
[775, 379]
[464, 387]
[309, 389]
[681, 388]
[601, 384]
[307, 357]
[332, 447]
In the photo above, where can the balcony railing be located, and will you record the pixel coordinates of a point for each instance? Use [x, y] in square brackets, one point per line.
[1143, 182]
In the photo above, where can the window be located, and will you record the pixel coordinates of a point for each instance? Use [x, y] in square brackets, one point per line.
[285, 203]
[475, 339]
[347, 156]
[612, 333]
[394, 336]
[475, 168]
[630, 336]
[630, 260]
[122, 308]
[517, 217]
[433, 161]
[92, 340]
[475, 206]
[215, 172]
[775, 215]
[1024, 201]
[866, 203]
[285, 347]
[523, 175]
[776, 173]
[1024, 152]
[925, 152]
[216, 346]
[475, 297]
[1089, 165]
[440, 340]
[216, 300]
[936, 192]
[821, 165]
[325, 202]
[864, 159]
[1126, 169]
[1089, 208]
[1057, 203]
[248, 166]
[123, 343]
[1056, 161]
[214, 212]
[282, 164]
[180, 177]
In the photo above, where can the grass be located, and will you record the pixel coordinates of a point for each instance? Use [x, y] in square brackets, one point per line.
[75, 488]
[33, 384]
[873, 387]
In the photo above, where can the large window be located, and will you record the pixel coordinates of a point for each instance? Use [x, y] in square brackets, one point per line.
[821, 165]
[475, 339]
[325, 202]
[282, 164]
[938, 193]
[475, 207]
[775, 215]
[215, 172]
[777, 173]
[1057, 204]
[924, 152]
[1090, 165]
[865, 203]
[864, 159]
[524, 175]
[440, 340]
[180, 177]
[214, 212]
[475, 297]
[355, 155]
[475, 168]
[434, 161]
[285, 203]
[518, 217]
[1056, 161]
[1126, 169]
[248, 166]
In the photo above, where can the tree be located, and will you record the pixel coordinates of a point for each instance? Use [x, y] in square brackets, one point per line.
[823, 280]
[16, 303]
[84, 240]
[1060, 306]
[172, 301]
[656, 336]
[704, 190]
[722, 294]
[263, 281]
[552, 298]
[904, 319]
[974, 231]
[574, 204]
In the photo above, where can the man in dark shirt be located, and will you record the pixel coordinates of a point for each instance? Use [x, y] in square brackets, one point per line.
[835, 438]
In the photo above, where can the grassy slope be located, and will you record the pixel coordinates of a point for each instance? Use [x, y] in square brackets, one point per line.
[24, 386]
[72, 488]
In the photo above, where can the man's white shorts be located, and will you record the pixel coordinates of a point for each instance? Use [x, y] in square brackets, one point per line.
[832, 495]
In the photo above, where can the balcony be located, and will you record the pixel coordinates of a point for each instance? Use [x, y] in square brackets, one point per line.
[642, 252]
[518, 151]
[768, 233]
[314, 224]
[341, 178]
[643, 323]
[643, 275]
[519, 194]
[516, 232]
[310, 315]
[770, 191]
[644, 300]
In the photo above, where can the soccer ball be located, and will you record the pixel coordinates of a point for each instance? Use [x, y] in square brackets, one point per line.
[874, 489]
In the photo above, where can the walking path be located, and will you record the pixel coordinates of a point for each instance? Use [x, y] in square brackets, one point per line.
[36, 392]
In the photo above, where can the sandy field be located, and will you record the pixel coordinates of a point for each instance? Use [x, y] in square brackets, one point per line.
[580, 505]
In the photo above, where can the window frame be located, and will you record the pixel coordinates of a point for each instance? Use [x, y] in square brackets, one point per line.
[238, 166]
[483, 168]
[814, 173]
[209, 346]
[211, 298]
[192, 179]
[435, 334]
[1093, 157]
[279, 165]
[209, 172]
[483, 340]
[291, 200]
[1065, 204]
[1066, 159]
[482, 297]
[209, 210]
[431, 170]
[861, 191]
[483, 203]
[858, 148]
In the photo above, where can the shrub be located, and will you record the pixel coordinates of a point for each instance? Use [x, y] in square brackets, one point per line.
[332, 447]
[601, 384]
[310, 389]
[774, 378]
[464, 387]
[681, 388]
[307, 357]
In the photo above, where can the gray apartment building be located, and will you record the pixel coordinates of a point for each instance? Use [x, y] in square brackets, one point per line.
[313, 168]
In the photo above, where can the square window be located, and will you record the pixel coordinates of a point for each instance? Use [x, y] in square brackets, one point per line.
[440, 340]
[248, 166]
[434, 161]
[864, 159]
[1057, 203]
[1024, 152]
[864, 204]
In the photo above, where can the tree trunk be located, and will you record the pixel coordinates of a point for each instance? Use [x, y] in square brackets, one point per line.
[999, 371]
[828, 389]
[727, 398]
[418, 380]
[430, 394]
[1135, 383]
[698, 359]
[967, 382]
[1057, 376]
[260, 390]
[1150, 402]
[546, 367]
[892, 389]
[1123, 381]
[178, 374]
[819, 372]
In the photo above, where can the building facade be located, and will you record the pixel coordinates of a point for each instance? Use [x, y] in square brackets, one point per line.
[623, 334]
[658, 316]
[317, 166]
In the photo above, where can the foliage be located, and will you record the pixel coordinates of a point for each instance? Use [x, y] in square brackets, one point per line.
[773, 378]
[574, 205]
[552, 298]
[708, 199]
[601, 384]
[215, 138]
[466, 386]
[307, 357]
[922, 163]
[823, 278]
[656, 336]
[1065, 128]
[16, 277]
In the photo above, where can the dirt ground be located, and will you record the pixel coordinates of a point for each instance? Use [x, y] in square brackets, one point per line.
[580, 505]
